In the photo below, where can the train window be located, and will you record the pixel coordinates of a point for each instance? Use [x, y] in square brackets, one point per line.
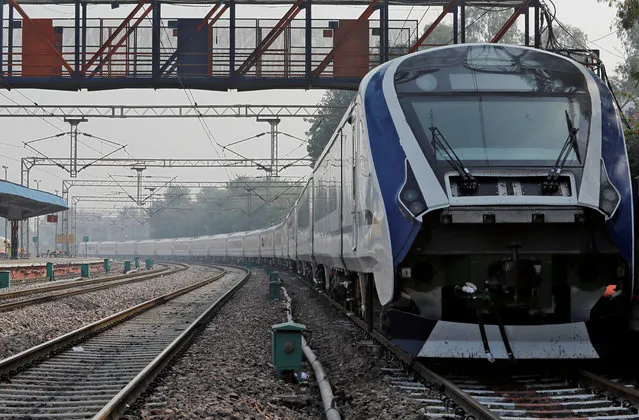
[488, 68]
[303, 211]
[499, 128]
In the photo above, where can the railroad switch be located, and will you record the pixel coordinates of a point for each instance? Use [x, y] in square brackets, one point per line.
[286, 347]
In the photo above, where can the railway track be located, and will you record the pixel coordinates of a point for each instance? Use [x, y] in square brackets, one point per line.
[99, 370]
[20, 298]
[561, 393]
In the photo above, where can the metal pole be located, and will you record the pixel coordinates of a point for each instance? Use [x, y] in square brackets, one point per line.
[155, 39]
[274, 122]
[139, 170]
[1, 37]
[78, 31]
[38, 223]
[73, 158]
[25, 169]
[6, 221]
[308, 53]
[73, 172]
[55, 240]
[75, 224]
[10, 42]
[231, 38]
[84, 32]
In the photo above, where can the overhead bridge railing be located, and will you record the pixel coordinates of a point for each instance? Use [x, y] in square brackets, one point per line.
[45, 50]
[217, 50]
[277, 63]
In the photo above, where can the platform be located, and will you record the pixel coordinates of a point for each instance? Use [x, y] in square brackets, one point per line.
[19, 203]
[34, 268]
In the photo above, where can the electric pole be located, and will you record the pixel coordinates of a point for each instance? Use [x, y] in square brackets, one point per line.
[38, 181]
[6, 168]
[55, 239]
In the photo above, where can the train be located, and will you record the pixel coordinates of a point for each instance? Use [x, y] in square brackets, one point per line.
[475, 202]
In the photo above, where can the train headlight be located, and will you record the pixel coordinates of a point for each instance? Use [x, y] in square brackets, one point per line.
[410, 196]
[416, 207]
[608, 195]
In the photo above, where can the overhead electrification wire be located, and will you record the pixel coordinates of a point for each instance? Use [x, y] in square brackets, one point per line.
[404, 24]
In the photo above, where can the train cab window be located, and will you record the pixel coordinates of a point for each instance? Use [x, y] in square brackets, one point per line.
[514, 104]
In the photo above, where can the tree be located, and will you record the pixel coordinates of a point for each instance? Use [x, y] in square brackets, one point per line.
[170, 216]
[628, 27]
[632, 144]
[482, 24]
[571, 37]
[324, 124]
[627, 13]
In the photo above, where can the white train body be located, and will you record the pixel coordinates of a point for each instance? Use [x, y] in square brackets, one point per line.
[441, 165]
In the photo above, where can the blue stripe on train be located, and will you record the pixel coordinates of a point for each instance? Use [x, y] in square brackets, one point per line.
[613, 152]
[388, 158]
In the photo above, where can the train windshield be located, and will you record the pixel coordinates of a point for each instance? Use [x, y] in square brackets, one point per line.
[495, 105]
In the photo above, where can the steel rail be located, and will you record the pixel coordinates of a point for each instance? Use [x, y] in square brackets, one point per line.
[122, 401]
[67, 284]
[467, 402]
[47, 298]
[631, 394]
[17, 363]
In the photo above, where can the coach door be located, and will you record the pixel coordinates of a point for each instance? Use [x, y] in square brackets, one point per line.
[355, 138]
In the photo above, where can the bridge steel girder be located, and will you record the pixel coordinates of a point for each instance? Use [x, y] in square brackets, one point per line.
[162, 111]
[112, 37]
[270, 37]
[67, 184]
[433, 26]
[509, 23]
[298, 64]
[117, 46]
[162, 163]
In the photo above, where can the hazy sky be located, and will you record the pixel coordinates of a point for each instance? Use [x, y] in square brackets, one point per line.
[185, 138]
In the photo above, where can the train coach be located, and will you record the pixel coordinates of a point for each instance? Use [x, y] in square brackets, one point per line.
[476, 199]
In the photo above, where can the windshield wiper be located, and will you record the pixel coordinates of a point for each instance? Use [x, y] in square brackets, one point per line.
[551, 184]
[469, 183]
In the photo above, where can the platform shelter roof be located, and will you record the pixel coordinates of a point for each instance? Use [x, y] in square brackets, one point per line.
[18, 202]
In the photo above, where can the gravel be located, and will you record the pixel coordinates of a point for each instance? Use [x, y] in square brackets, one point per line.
[227, 372]
[26, 327]
[352, 361]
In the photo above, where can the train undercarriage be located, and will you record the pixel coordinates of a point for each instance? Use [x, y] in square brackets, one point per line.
[498, 290]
